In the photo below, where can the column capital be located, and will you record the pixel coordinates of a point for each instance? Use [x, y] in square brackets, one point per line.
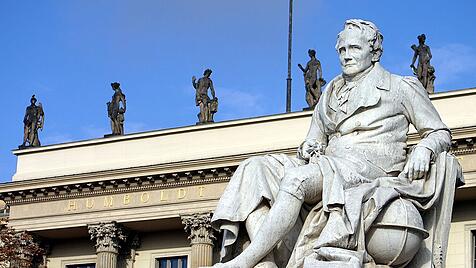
[108, 236]
[200, 228]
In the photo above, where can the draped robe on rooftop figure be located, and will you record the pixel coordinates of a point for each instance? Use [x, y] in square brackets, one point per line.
[363, 126]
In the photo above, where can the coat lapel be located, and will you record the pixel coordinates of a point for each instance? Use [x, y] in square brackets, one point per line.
[367, 93]
[326, 110]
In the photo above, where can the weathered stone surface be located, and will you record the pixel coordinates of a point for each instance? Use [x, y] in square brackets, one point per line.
[351, 166]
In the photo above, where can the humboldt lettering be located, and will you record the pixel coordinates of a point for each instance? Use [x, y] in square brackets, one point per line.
[135, 199]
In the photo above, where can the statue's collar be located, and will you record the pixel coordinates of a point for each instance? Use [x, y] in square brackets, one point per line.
[366, 93]
[377, 77]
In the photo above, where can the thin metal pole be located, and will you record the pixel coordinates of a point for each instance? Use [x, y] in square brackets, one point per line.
[288, 80]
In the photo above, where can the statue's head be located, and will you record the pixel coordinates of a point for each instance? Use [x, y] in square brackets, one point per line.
[33, 99]
[311, 52]
[115, 85]
[207, 72]
[421, 38]
[359, 46]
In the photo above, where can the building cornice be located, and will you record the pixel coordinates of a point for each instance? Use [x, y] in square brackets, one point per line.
[180, 167]
[460, 135]
[117, 186]
[205, 171]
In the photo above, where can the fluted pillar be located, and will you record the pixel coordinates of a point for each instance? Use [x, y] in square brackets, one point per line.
[201, 238]
[108, 238]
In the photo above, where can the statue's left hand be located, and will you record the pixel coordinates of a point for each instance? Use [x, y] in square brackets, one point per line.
[418, 163]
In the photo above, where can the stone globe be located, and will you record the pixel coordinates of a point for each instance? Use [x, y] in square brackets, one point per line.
[396, 235]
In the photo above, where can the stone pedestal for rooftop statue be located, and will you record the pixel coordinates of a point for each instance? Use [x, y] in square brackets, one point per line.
[108, 238]
[201, 238]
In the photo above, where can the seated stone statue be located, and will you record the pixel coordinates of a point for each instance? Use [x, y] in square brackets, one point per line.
[352, 166]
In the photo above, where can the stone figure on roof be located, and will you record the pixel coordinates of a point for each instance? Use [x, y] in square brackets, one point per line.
[208, 106]
[33, 121]
[351, 177]
[313, 80]
[116, 109]
[424, 71]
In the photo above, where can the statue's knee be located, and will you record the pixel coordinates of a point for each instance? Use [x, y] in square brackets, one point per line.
[291, 182]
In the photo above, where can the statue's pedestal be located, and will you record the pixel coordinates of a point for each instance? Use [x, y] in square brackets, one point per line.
[111, 135]
[204, 123]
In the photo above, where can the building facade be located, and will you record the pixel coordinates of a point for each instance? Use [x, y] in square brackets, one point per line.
[146, 199]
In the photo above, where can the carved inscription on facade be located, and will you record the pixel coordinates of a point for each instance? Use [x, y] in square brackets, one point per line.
[135, 199]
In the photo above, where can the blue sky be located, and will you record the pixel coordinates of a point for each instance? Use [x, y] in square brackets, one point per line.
[68, 53]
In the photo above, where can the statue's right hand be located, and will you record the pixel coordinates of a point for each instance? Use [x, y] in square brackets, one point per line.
[307, 149]
[194, 78]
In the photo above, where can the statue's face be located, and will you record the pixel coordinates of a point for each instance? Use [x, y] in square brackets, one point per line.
[355, 54]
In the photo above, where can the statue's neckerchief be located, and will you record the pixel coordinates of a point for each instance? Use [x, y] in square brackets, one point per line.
[342, 93]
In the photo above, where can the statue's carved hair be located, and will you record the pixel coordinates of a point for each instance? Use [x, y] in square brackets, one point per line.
[312, 52]
[370, 31]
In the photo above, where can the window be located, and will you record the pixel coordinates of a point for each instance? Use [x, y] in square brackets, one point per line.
[171, 262]
[87, 265]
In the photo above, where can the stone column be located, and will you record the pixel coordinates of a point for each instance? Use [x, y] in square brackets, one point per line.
[201, 238]
[108, 238]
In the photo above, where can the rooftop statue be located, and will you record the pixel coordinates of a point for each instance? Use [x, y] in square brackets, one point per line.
[312, 79]
[33, 121]
[424, 71]
[352, 194]
[208, 107]
[116, 109]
